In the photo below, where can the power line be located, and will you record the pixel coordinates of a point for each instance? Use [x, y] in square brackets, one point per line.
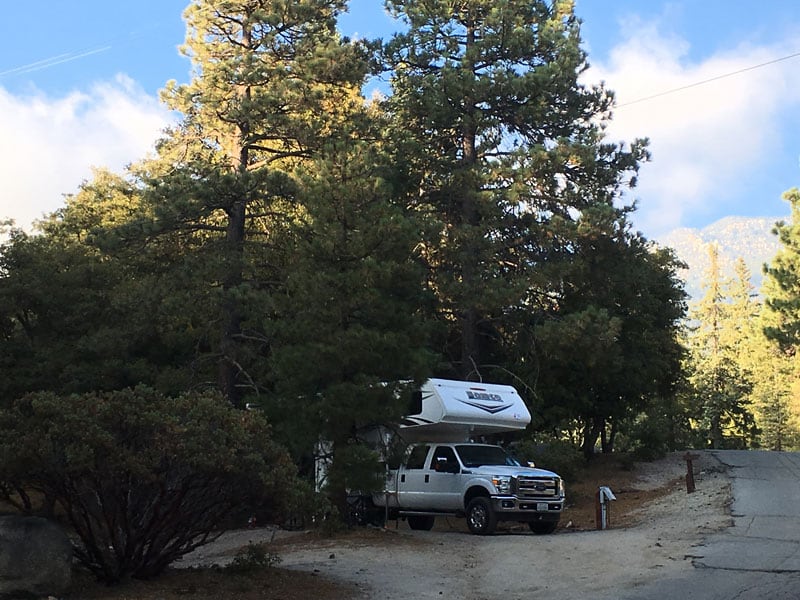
[705, 81]
[53, 61]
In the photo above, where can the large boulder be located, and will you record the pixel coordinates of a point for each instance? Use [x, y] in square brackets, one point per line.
[35, 558]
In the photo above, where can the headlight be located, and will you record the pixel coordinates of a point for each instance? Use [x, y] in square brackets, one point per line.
[560, 488]
[502, 483]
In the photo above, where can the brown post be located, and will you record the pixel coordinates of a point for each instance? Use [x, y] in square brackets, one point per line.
[598, 516]
[690, 472]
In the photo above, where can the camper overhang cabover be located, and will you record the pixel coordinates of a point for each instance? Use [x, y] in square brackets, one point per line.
[456, 411]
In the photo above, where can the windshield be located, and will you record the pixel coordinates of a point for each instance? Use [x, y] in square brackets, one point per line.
[475, 455]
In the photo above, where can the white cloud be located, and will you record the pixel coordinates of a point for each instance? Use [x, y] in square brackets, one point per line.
[49, 144]
[705, 140]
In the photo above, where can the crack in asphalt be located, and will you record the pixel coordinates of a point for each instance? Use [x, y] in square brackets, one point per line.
[744, 569]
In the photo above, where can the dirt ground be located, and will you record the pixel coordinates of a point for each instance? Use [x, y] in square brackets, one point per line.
[653, 527]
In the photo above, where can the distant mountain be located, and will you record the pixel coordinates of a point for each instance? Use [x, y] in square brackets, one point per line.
[750, 238]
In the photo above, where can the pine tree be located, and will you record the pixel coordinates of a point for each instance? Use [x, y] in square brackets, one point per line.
[351, 337]
[720, 383]
[268, 79]
[777, 391]
[609, 353]
[775, 395]
[783, 280]
[505, 146]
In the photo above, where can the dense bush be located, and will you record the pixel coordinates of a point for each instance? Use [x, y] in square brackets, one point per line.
[648, 438]
[141, 478]
[559, 456]
[253, 557]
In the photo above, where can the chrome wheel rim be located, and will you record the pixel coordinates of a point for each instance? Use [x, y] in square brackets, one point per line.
[477, 517]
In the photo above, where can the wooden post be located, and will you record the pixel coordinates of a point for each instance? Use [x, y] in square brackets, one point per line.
[690, 471]
[598, 517]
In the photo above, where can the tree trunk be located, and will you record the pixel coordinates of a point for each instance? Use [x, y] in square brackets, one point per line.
[591, 432]
[608, 440]
[470, 352]
[231, 313]
[233, 264]
[715, 432]
[337, 487]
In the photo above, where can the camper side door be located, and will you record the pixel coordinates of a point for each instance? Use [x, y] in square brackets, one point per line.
[413, 479]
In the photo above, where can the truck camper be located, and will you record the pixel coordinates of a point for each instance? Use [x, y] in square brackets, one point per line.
[457, 411]
[446, 472]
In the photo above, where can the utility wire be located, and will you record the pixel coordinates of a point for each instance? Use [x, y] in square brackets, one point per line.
[53, 61]
[705, 81]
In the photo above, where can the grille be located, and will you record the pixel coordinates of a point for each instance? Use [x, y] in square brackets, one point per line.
[536, 487]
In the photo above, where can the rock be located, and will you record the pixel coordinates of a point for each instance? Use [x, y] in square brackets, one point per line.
[35, 558]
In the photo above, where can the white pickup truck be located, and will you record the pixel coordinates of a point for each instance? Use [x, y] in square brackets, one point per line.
[444, 473]
[479, 481]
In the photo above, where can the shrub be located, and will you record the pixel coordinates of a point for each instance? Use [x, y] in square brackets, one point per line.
[141, 478]
[555, 455]
[253, 557]
[648, 438]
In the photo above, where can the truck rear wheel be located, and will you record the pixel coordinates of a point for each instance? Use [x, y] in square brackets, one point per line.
[481, 519]
[421, 522]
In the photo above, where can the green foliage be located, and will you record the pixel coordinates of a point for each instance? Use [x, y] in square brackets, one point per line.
[648, 438]
[303, 250]
[356, 467]
[272, 81]
[717, 372]
[503, 146]
[142, 478]
[775, 359]
[775, 397]
[608, 349]
[782, 282]
[553, 454]
[253, 557]
[305, 506]
[83, 311]
[349, 326]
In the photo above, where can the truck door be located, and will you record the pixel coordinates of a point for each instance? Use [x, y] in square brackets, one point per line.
[444, 484]
[413, 478]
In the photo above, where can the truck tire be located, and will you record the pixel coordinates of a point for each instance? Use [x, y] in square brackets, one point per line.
[481, 519]
[542, 527]
[421, 522]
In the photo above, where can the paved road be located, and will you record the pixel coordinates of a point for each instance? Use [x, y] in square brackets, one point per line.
[759, 557]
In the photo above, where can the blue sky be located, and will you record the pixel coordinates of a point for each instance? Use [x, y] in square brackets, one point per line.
[79, 88]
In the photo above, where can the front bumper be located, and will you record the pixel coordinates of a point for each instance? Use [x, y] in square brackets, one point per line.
[511, 507]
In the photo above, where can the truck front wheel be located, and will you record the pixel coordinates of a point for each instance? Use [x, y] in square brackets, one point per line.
[481, 519]
[421, 523]
[543, 527]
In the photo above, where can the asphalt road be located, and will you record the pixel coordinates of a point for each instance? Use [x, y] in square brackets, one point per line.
[759, 557]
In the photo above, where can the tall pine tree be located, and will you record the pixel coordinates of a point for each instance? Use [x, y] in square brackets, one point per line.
[268, 78]
[720, 384]
[505, 146]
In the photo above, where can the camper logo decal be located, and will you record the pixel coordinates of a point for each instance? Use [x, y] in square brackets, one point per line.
[486, 402]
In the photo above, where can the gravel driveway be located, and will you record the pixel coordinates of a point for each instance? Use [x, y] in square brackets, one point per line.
[398, 564]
